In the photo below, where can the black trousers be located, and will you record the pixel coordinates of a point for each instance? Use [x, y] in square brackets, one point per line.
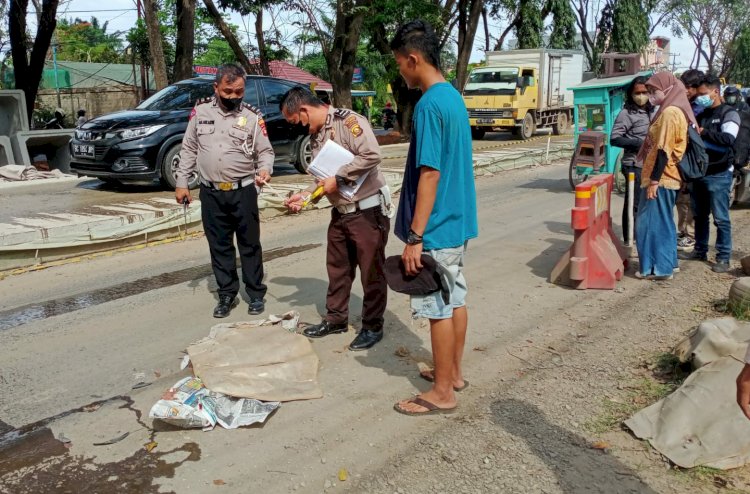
[226, 214]
[357, 239]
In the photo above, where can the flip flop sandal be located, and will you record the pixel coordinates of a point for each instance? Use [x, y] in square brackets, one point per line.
[432, 409]
[429, 379]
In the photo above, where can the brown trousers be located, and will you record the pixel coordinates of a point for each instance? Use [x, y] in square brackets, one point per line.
[685, 223]
[357, 239]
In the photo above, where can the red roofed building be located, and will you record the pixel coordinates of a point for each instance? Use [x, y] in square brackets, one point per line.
[285, 70]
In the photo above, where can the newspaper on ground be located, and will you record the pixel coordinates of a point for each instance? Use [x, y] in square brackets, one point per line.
[189, 404]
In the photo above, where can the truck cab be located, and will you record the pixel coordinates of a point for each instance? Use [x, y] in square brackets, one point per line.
[497, 97]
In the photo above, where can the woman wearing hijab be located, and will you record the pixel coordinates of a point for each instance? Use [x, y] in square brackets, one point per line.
[629, 132]
[656, 234]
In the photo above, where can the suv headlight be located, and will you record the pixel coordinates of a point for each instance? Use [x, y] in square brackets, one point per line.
[135, 133]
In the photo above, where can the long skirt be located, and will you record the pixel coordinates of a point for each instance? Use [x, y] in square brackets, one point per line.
[656, 234]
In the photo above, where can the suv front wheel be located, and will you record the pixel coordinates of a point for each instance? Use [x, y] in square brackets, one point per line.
[304, 155]
[169, 167]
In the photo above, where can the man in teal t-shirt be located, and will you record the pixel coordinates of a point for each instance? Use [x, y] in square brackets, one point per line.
[437, 211]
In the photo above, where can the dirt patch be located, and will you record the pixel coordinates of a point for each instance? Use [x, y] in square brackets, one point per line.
[552, 423]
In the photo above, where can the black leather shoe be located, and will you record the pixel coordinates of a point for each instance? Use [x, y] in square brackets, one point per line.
[324, 329]
[366, 339]
[256, 306]
[225, 306]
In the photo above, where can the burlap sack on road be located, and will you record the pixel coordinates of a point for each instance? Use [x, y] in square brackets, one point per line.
[259, 360]
[700, 423]
[714, 338]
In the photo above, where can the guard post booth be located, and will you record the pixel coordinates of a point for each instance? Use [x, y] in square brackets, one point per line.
[596, 104]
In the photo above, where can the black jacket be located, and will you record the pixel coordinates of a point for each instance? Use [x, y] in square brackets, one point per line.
[720, 127]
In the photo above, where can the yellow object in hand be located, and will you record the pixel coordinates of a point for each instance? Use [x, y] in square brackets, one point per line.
[317, 193]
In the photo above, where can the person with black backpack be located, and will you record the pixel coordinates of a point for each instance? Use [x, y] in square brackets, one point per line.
[720, 124]
[741, 148]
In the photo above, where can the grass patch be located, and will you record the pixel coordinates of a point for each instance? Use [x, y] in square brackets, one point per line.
[740, 310]
[706, 475]
[667, 374]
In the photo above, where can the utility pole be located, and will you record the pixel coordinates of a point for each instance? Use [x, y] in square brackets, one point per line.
[674, 60]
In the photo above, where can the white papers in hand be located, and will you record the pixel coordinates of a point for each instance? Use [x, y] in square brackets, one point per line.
[327, 163]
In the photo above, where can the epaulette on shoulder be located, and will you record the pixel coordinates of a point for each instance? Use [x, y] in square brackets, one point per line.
[342, 112]
[203, 101]
[252, 108]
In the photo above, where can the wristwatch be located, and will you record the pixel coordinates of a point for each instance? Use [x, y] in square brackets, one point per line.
[413, 238]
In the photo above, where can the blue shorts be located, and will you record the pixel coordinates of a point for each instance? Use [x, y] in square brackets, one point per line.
[433, 306]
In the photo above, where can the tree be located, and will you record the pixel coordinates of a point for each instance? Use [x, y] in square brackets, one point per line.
[630, 31]
[339, 45]
[739, 66]
[158, 63]
[185, 42]
[712, 25]
[87, 41]
[563, 35]
[530, 24]
[468, 22]
[603, 36]
[231, 38]
[28, 70]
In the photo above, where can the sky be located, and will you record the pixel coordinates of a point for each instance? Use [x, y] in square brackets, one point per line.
[122, 15]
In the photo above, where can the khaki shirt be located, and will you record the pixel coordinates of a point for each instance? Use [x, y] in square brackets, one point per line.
[352, 131]
[225, 146]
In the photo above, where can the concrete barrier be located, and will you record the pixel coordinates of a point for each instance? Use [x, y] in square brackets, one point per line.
[6, 152]
[596, 259]
[13, 116]
[52, 143]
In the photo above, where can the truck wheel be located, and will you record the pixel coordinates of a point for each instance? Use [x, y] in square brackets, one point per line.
[561, 126]
[169, 167]
[477, 134]
[528, 127]
[304, 155]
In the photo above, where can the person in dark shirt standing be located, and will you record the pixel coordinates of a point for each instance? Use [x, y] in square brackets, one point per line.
[720, 125]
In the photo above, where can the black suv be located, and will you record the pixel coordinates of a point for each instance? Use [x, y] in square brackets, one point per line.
[144, 144]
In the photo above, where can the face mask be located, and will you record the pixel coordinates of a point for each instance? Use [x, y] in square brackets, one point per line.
[731, 100]
[704, 101]
[657, 97]
[640, 99]
[230, 103]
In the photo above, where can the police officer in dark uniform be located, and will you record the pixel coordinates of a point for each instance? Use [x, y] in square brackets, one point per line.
[226, 140]
[358, 231]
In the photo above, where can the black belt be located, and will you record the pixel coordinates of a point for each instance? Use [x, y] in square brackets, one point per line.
[225, 186]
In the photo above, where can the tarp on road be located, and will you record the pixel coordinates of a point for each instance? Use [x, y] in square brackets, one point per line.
[700, 423]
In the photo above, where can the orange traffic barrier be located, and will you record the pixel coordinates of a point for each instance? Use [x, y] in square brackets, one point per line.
[597, 258]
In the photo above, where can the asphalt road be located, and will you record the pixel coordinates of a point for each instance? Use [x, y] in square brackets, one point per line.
[98, 327]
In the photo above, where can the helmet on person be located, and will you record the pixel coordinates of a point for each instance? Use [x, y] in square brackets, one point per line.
[732, 95]
[60, 111]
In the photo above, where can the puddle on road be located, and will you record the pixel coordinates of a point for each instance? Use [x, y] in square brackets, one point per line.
[35, 312]
[32, 460]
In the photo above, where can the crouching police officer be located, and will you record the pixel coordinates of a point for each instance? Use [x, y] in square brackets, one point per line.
[226, 139]
[359, 228]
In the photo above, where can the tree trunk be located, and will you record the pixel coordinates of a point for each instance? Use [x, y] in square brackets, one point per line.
[468, 22]
[343, 51]
[158, 64]
[261, 38]
[230, 37]
[486, 30]
[506, 32]
[28, 72]
[185, 42]
[406, 100]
